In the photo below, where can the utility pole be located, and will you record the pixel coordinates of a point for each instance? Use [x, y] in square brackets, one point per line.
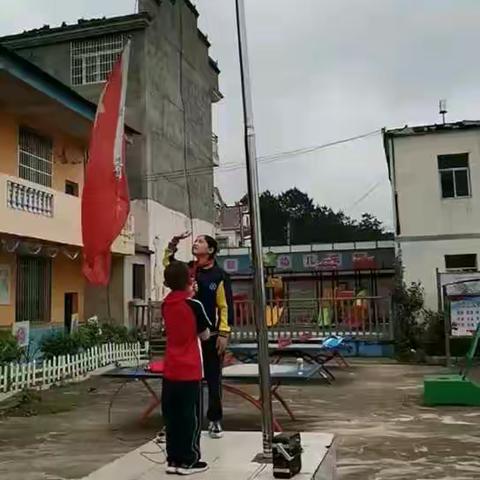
[256, 229]
[289, 232]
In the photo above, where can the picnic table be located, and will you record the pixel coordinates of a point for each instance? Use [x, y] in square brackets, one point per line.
[233, 377]
[311, 352]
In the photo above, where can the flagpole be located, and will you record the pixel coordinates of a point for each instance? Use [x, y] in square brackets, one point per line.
[257, 249]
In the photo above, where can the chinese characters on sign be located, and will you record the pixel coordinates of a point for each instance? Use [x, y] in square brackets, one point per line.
[328, 261]
[465, 316]
[310, 260]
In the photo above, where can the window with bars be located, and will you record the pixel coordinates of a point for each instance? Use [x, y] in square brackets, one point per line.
[454, 175]
[35, 157]
[34, 289]
[92, 60]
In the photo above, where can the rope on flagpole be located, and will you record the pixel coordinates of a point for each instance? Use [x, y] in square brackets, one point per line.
[184, 117]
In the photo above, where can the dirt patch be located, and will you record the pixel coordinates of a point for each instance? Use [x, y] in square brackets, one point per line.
[383, 431]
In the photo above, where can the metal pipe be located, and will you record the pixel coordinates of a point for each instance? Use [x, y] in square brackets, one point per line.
[257, 249]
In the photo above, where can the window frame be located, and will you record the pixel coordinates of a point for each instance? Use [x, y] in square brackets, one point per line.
[135, 268]
[473, 268]
[21, 150]
[94, 48]
[74, 185]
[454, 170]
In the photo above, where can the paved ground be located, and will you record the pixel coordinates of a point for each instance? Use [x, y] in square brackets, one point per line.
[383, 431]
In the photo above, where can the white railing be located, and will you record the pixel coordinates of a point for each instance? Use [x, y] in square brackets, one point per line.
[29, 199]
[43, 374]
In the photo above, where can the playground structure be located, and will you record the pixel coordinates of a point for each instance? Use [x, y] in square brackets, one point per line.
[334, 309]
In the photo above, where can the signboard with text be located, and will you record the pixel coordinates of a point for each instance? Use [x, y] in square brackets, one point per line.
[465, 316]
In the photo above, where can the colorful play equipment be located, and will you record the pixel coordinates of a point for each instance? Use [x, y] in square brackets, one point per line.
[454, 389]
[275, 294]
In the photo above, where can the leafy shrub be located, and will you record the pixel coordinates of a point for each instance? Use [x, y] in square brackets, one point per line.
[10, 351]
[59, 343]
[112, 333]
[88, 335]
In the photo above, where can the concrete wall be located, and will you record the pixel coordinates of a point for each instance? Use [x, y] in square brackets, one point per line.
[66, 278]
[68, 154]
[421, 258]
[164, 223]
[108, 302]
[7, 309]
[178, 98]
[439, 226]
[422, 211]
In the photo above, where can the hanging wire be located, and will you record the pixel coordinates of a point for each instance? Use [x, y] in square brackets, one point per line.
[263, 160]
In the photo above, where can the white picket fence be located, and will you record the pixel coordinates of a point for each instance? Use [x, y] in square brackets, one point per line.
[42, 374]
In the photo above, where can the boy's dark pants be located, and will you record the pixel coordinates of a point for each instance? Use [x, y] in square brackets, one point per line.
[212, 367]
[182, 415]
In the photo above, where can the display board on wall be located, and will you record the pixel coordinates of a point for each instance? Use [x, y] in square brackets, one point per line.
[464, 316]
[21, 331]
[460, 283]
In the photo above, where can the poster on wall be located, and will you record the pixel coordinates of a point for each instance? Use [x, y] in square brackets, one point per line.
[284, 262]
[4, 285]
[21, 331]
[465, 316]
[363, 261]
[230, 265]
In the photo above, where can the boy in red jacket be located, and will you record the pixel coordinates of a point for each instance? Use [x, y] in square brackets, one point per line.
[185, 324]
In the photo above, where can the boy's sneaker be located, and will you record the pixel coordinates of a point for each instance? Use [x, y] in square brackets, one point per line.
[198, 467]
[215, 430]
[172, 468]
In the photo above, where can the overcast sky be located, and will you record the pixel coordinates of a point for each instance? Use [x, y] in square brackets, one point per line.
[322, 70]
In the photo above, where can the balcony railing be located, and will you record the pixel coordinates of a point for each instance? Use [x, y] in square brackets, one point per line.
[29, 199]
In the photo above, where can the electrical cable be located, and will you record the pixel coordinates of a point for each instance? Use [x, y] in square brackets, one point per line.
[262, 160]
[366, 194]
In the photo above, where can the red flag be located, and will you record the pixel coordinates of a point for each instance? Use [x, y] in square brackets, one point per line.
[105, 200]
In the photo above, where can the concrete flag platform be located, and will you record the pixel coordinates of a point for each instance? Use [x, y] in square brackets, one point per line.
[232, 457]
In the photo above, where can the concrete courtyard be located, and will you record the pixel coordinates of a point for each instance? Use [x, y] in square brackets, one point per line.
[383, 431]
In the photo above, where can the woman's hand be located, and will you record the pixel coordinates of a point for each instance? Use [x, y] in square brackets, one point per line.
[222, 343]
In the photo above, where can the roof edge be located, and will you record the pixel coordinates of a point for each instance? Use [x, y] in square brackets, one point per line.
[81, 29]
[433, 128]
[15, 64]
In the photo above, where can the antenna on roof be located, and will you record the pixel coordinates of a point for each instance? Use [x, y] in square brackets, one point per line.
[442, 107]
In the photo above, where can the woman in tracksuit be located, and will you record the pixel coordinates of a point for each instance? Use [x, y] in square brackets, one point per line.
[211, 285]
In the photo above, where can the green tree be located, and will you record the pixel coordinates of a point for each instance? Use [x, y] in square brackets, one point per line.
[293, 211]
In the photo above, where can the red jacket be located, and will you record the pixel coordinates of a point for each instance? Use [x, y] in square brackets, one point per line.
[184, 319]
